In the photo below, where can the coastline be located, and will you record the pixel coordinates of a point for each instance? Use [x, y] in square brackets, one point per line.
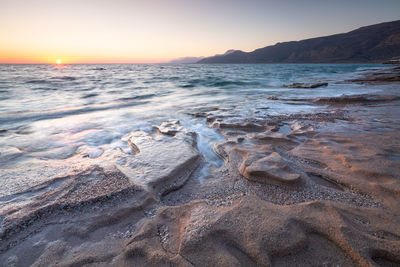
[301, 189]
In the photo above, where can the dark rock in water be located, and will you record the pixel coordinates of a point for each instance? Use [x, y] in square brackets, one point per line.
[305, 85]
[354, 99]
[247, 126]
[382, 76]
[395, 61]
[344, 99]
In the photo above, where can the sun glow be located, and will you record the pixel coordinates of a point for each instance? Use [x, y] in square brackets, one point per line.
[58, 61]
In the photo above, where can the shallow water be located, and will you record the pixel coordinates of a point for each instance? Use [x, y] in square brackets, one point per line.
[50, 116]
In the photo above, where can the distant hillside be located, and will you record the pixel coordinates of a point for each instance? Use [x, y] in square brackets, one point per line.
[185, 60]
[375, 43]
[189, 60]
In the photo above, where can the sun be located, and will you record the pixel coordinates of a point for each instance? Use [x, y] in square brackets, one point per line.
[58, 61]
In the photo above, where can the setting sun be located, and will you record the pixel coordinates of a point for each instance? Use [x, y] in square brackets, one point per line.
[58, 61]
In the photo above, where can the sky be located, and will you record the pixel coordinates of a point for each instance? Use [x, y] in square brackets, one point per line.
[148, 31]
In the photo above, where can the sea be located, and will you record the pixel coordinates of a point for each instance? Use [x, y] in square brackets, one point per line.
[59, 118]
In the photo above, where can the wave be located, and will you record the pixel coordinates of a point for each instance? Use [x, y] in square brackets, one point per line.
[51, 80]
[66, 78]
[37, 81]
[90, 95]
[36, 116]
[137, 97]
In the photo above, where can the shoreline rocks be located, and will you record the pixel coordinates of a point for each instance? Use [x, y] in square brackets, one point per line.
[304, 189]
[382, 76]
[268, 169]
[306, 85]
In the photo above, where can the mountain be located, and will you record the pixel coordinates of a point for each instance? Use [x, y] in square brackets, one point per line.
[375, 43]
[230, 51]
[189, 60]
[185, 60]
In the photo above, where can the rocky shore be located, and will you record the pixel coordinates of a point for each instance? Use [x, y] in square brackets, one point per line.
[306, 189]
[380, 76]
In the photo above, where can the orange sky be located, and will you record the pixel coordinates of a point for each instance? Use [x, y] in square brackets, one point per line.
[138, 31]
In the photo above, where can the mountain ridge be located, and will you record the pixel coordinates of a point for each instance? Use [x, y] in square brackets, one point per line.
[373, 43]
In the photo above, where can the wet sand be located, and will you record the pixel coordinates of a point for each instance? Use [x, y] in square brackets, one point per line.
[309, 189]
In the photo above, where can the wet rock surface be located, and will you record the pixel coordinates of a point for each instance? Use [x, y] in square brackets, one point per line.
[163, 160]
[304, 189]
[345, 99]
[382, 76]
[306, 85]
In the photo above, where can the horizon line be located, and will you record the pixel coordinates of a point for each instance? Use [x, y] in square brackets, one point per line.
[192, 63]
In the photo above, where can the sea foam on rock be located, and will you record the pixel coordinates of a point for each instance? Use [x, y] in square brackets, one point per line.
[162, 160]
[160, 163]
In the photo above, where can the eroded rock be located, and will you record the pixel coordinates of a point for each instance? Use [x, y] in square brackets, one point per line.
[170, 127]
[253, 232]
[381, 76]
[344, 99]
[161, 162]
[267, 169]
